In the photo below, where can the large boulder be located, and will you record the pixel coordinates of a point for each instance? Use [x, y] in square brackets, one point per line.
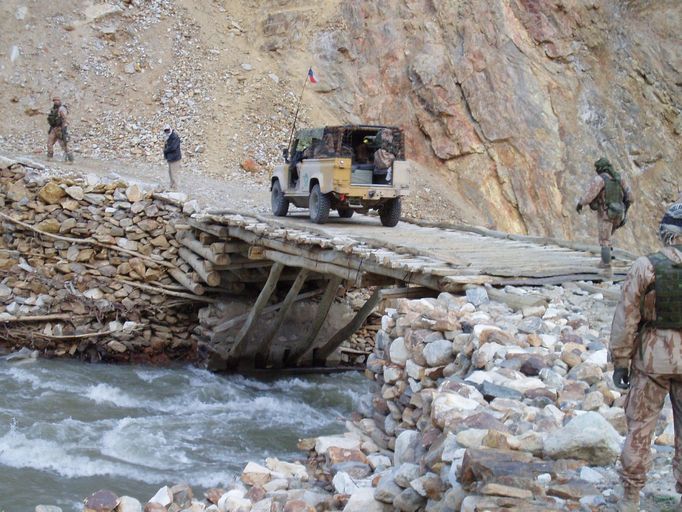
[587, 437]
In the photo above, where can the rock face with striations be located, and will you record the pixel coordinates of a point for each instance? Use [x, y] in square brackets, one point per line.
[517, 100]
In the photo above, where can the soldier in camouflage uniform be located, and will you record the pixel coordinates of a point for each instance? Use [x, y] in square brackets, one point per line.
[646, 350]
[600, 196]
[58, 121]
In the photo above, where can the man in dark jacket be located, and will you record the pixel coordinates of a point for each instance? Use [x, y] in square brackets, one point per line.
[171, 152]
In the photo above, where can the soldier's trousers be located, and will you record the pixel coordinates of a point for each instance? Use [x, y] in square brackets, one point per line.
[173, 169]
[605, 228]
[52, 137]
[642, 407]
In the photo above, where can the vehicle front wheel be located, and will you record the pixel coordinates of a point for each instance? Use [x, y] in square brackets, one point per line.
[279, 203]
[319, 205]
[390, 212]
[346, 213]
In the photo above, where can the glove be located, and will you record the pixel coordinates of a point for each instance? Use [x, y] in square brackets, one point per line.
[621, 378]
[578, 208]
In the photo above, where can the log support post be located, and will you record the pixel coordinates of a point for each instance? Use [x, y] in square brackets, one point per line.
[322, 353]
[239, 346]
[263, 352]
[320, 317]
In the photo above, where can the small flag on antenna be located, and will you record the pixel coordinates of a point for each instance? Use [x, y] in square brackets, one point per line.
[311, 76]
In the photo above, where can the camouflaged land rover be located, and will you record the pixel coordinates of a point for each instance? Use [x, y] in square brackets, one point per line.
[343, 168]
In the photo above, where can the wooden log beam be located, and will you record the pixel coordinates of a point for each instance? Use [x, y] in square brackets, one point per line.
[239, 346]
[321, 315]
[243, 263]
[212, 229]
[204, 251]
[322, 353]
[263, 353]
[201, 267]
[341, 259]
[228, 247]
[163, 291]
[186, 281]
[302, 262]
[42, 318]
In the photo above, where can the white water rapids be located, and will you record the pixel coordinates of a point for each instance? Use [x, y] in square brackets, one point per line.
[68, 429]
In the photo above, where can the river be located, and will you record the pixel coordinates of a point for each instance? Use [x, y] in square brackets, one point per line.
[68, 429]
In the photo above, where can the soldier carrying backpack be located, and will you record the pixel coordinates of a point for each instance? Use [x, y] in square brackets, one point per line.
[610, 195]
[646, 349]
[57, 119]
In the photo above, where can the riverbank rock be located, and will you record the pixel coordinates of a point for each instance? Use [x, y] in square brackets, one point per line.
[101, 501]
[589, 437]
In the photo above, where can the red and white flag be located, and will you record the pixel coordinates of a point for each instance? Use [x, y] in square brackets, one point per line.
[311, 76]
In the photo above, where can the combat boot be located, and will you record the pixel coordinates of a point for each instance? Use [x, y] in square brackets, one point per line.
[605, 257]
[630, 500]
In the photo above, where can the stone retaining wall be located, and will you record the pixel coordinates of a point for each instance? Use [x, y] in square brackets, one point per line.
[84, 271]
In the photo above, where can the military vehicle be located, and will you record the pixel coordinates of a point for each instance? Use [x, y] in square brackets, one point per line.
[349, 169]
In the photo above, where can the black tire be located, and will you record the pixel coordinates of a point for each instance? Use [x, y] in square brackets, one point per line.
[390, 212]
[345, 213]
[319, 205]
[279, 203]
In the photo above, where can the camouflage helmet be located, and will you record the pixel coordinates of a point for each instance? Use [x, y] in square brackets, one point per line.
[670, 228]
[602, 163]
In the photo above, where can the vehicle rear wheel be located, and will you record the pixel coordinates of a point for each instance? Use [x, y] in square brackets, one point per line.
[280, 204]
[390, 212]
[319, 205]
[345, 213]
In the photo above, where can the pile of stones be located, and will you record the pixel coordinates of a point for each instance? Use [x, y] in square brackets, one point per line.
[84, 270]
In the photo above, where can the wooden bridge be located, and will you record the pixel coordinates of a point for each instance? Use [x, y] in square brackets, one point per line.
[226, 248]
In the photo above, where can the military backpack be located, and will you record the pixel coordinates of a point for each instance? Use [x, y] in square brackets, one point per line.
[613, 197]
[53, 118]
[668, 288]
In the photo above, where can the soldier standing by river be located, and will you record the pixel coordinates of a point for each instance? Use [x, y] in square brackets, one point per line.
[646, 350]
[58, 130]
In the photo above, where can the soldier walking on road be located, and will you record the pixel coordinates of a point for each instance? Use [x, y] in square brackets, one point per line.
[171, 152]
[608, 193]
[646, 350]
[58, 131]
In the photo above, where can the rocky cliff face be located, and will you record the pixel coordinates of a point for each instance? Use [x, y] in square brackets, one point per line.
[507, 103]
[513, 99]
